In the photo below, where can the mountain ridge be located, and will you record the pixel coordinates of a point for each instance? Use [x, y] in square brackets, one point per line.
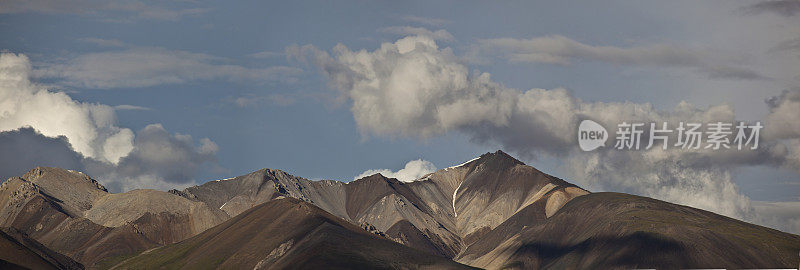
[493, 211]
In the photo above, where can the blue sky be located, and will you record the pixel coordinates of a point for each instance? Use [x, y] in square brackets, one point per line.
[221, 71]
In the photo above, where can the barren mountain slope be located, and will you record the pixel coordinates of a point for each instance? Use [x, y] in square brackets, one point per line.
[375, 203]
[484, 192]
[436, 213]
[615, 230]
[492, 211]
[287, 233]
[62, 209]
[18, 251]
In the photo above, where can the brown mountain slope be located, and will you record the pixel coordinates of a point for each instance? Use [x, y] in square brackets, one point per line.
[371, 202]
[287, 233]
[436, 213]
[18, 251]
[493, 211]
[481, 194]
[72, 214]
[615, 230]
[44, 218]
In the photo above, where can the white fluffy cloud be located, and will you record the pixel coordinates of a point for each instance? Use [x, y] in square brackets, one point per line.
[65, 132]
[412, 171]
[413, 88]
[90, 128]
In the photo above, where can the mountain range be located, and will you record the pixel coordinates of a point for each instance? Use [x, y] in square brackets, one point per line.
[491, 212]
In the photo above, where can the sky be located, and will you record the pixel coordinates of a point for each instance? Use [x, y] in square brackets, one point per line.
[169, 94]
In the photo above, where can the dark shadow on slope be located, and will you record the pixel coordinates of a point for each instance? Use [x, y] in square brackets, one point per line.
[637, 250]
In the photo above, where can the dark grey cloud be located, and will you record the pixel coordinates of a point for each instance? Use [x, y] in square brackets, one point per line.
[787, 8]
[159, 159]
[173, 157]
[83, 136]
[25, 148]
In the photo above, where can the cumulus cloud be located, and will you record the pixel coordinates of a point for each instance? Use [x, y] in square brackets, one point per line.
[412, 171]
[159, 158]
[561, 50]
[782, 121]
[90, 128]
[39, 127]
[149, 66]
[440, 34]
[413, 88]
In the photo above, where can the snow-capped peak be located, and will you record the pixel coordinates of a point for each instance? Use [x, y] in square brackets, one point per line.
[226, 179]
[462, 164]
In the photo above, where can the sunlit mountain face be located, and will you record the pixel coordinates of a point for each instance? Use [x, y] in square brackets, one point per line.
[144, 134]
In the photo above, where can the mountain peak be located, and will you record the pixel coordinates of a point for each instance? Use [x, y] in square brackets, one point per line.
[377, 176]
[503, 155]
[499, 158]
[45, 176]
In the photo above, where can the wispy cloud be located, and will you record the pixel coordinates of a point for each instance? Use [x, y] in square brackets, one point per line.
[102, 42]
[266, 54]
[115, 11]
[785, 215]
[786, 8]
[561, 50]
[126, 107]
[253, 101]
[440, 34]
[149, 66]
[787, 45]
[424, 20]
